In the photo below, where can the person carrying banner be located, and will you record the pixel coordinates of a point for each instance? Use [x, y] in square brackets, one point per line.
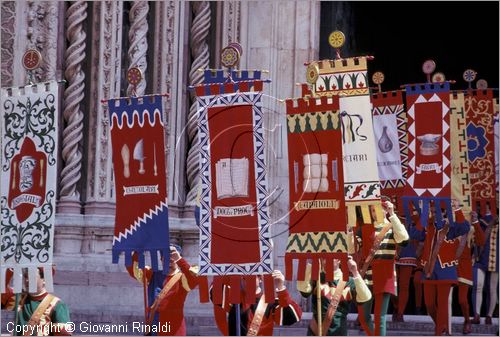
[486, 264]
[335, 298]
[475, 237]
[168, 305]
[39, 313]
[259, 318]
[440, 261]
[378, 248]
[406, 263]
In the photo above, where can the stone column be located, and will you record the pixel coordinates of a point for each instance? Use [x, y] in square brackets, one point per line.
[200, 29]
[73, 116]
[138, 44]
[170, 69]
[279, 37]
[105, 77]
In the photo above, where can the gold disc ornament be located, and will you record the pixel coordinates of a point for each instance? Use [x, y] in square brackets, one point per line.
[312, 73]
[438, 77]
[229, 56]
[134, 76]
[336, 39]
[32, 59]
[378, 77]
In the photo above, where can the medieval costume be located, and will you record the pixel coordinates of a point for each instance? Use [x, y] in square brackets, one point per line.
[486, 265]
[406, 264]
[475, 236]
[169, 300]
[259, 318]
[40, 314]
[354, 288]
[440, 272]
[378, 244]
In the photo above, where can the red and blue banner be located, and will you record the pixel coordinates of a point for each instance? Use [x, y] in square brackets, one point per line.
[141, 223]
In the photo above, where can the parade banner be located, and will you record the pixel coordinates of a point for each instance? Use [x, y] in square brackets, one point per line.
[235, 234]
[389, 127]
[460, 183]
[29, 181]
[317, 228]
[141, 222]
[479, 110]
[347, 78]
[429, 161]
[497, 148]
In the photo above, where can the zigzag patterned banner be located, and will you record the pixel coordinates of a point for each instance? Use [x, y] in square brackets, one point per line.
[479, 110]
[391, 137]
[317, 212]
[28, 182]
[235, 236]
[141, 223]
[429, 160]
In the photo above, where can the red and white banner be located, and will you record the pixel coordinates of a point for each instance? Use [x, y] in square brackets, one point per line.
[429, 160]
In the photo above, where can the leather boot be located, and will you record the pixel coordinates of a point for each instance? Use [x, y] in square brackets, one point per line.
[467, 328]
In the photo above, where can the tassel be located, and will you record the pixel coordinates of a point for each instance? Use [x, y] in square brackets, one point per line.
[329, 269]
[269, 288]
[203, 289]
[250, 288]
[301, 271]
[48, 272]
[128, 258]
[235, 291]
[141, 261]
[365, 211]
[315, 269]
[217, 288]
[153, 254]
[288, 267]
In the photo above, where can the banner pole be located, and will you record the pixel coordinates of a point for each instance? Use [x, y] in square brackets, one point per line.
[318, 304]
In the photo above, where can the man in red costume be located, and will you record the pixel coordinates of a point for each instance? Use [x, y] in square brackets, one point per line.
[475, 236]
[169, 300]
[284, 311]
[440, 261]
[378, 261]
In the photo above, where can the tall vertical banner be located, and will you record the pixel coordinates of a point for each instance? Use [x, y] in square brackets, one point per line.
[28, 181]
[347, 78]
[479, 109]
[391, 139]
[141, 222]
[497, 148]
[317, 213]
[429, 161]
[460, 182]
[235, 233]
